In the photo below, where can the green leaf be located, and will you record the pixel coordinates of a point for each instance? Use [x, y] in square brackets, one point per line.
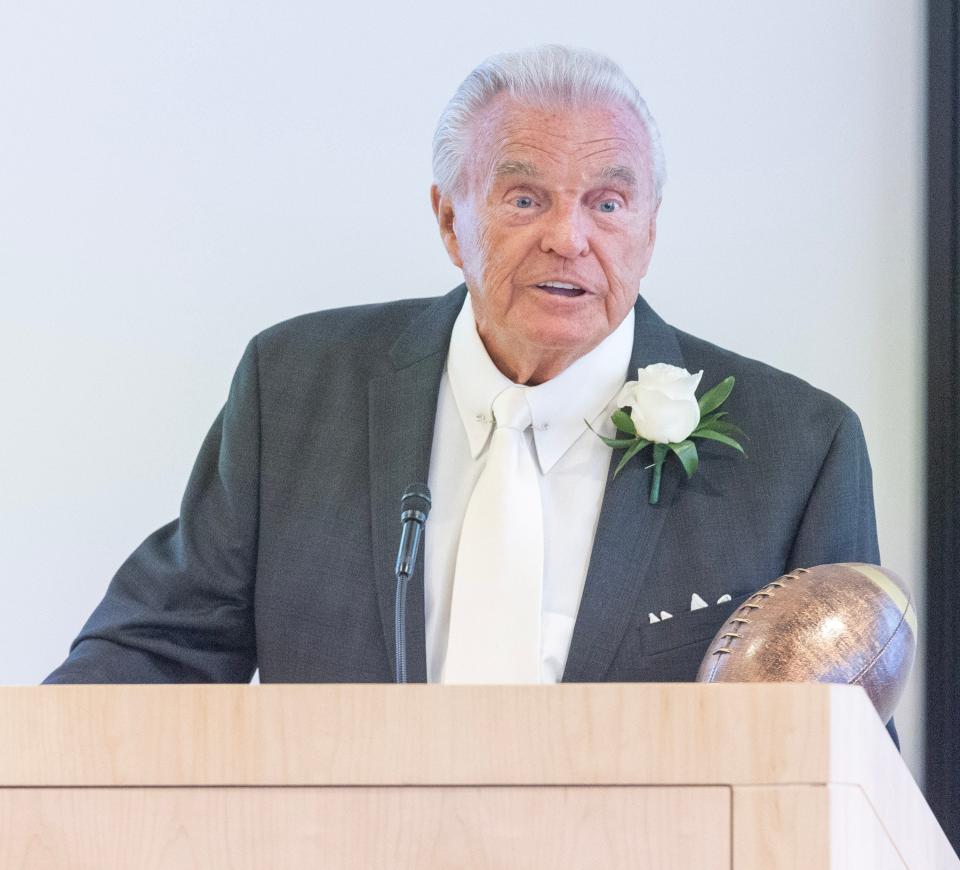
[710, 418]
[686, 452]
[710, 435]
[638, 445]
[716, 396]
[623, 422]
[725, 427]
[615, 443]
[618, 443]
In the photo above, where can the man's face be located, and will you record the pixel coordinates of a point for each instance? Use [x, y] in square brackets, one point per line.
[559, 195]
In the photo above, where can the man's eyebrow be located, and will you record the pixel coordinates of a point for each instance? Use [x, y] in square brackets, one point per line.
[516, 167]
[621, 173]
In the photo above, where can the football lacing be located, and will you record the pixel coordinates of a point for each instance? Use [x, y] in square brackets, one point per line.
[761, 593]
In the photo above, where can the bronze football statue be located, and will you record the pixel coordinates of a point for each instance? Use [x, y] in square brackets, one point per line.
[844, 623]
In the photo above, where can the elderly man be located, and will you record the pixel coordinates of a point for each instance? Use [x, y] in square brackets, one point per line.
[539, 565]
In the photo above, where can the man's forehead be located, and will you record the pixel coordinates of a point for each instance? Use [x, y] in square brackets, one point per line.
[606, 141]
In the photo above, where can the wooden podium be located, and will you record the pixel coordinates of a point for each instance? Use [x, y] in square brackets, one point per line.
[678, 776]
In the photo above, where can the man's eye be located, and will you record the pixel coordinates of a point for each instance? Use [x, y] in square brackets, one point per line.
[523, 201]
[609, 206]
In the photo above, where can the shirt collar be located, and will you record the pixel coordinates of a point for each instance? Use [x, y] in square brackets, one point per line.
[559, 407]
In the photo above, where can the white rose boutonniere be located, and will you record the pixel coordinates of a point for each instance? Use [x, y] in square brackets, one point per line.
[662, 403]
[660, 408]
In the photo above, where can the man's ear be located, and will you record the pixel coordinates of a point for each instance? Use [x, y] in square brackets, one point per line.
[443, 209]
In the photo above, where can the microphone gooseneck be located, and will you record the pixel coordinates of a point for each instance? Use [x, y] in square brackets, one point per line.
[414, 509]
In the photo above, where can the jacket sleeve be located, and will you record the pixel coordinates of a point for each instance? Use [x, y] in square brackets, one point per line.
[839, 523]
[180, 607]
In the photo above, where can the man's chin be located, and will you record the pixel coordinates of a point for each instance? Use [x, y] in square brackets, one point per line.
[563, 338]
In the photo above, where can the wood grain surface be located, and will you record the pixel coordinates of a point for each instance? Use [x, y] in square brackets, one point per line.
[396, 828]
[669, 734]
[800, 773]
[798, 827]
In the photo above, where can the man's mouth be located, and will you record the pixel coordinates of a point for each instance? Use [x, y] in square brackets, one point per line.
[560, 288]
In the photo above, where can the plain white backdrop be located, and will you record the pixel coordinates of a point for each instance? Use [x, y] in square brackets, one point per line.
[176, 176]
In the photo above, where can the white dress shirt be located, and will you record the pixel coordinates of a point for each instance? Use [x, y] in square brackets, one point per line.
[573, 464]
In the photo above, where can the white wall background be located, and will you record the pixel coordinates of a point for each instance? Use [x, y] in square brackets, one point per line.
[176, 176]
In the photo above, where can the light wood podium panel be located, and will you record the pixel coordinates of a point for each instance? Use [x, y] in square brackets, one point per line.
[706, 777]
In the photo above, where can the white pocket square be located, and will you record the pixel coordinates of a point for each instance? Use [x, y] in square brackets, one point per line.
[696, 603]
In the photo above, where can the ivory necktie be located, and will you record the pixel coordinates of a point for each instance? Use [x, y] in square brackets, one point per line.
[495, 609]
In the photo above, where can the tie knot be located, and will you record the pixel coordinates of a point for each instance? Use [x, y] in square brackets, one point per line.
[511, 410]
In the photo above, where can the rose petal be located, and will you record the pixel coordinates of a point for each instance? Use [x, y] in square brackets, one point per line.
[674, 381]
[657, 417]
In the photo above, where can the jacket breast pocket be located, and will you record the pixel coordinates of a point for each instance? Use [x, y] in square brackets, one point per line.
[683, 629]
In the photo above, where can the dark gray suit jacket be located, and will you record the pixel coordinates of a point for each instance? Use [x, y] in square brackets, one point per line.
[283, 554]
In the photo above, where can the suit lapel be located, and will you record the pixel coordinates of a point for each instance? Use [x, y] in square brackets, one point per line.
[402, 408]
[627, 530]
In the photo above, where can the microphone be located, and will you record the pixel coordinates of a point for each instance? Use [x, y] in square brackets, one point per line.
[414, 509]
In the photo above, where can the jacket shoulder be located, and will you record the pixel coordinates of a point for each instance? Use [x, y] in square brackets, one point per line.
[373, 327]
[296, 360]
[763, 388]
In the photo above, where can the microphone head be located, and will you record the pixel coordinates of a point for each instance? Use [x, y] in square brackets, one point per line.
[416, 497]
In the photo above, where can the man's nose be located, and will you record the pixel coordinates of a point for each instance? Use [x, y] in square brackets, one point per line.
[565, 232]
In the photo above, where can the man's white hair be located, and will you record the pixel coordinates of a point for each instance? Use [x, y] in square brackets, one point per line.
[542, 77]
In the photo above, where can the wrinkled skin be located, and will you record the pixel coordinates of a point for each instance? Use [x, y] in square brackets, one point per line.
[561, 194]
